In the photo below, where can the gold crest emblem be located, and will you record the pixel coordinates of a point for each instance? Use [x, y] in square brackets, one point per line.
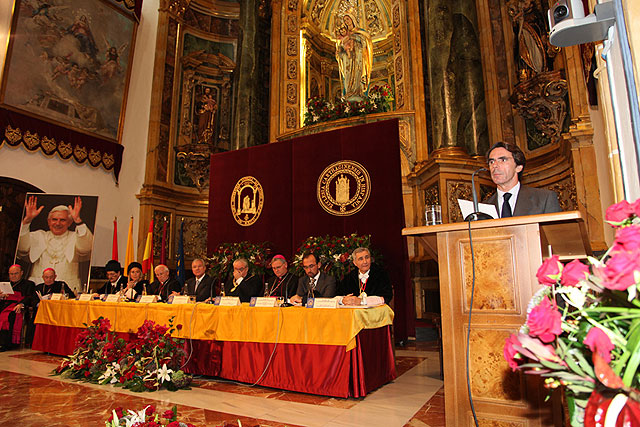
[344, 188]
[247, 199]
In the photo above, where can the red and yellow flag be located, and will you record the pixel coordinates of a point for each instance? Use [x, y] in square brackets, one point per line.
[147, 260]
[128, 258]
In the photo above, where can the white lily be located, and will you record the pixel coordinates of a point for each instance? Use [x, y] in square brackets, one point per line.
[164, 374]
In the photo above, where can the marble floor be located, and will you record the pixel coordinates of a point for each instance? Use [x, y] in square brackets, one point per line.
[31, 397]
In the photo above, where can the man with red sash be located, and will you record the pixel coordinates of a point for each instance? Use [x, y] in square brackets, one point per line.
[12, 306]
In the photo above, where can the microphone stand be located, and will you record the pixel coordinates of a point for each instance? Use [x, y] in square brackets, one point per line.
[476, 215]
[286, 303]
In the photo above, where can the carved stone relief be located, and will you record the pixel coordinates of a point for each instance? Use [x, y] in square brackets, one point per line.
[292, 69]
[292, 93]
[399, 68]
[291, 118]
[292, 46]
[405, 142]
[195, 237]
[400, 95]
[457, 190]
[566, 191]
[432, 195]
[292, 24]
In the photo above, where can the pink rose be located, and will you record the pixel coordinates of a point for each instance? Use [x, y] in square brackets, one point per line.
[627, 238]
[598, 341]
[619, 212]
[636, 207]
[549, 271]
[544, 321]
[573, 273]
[617, 274]
[511, 355]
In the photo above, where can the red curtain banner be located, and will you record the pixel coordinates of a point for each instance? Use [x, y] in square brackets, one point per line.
[288, 173]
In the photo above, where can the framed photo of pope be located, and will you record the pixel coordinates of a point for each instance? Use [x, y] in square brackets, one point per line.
[57, 232]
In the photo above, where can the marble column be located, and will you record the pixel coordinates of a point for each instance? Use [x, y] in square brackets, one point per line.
[455, 76]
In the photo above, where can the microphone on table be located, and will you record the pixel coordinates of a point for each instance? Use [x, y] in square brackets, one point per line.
[286, 303]
[476, 215]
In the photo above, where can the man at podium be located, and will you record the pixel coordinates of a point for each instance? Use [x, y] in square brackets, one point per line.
[506, 162]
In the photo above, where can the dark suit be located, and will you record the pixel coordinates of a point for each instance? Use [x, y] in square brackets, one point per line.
[325, 288]
[531, 201]
[249, 287]
[378, 284]
[112, 288]
[164, 289]
[204, 290]
[283, 288]
[55, 288]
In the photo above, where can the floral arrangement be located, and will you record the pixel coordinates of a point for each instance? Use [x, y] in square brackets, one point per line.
[379, 100]
[583, 328]
[147, 417]
[149, 360]
[334, 253]
[221, 260]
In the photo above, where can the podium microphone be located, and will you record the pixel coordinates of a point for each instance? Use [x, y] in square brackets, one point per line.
[476, 215]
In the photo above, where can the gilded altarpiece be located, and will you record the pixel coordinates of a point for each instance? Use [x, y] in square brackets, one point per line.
[191, 118]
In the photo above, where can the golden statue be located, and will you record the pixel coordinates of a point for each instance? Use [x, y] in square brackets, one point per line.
[354, 53]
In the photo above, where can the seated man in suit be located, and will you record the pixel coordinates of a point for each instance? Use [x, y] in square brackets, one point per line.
[283, 283]
[314, 283]
[50, 285]
[12, 305]
[367, 284]
[201, 285]
[506, 162]
[243, 285]
[116, 281]
[164, 286]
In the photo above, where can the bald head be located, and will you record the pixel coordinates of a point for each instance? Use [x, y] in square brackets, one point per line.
[15, 273]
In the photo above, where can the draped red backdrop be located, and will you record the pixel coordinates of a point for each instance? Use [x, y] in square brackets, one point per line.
[288, 172]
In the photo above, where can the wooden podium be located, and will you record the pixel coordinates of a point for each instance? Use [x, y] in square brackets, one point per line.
[507, 255]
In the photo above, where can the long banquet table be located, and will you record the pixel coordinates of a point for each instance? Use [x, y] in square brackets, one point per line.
[345, 352]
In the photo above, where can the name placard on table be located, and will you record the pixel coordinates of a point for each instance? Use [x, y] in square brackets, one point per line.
[227, 301]
[57, 297]
[322, 303]
[182, 299]
[112, 298]
[262, 302]
[147, 299]
[85, 297]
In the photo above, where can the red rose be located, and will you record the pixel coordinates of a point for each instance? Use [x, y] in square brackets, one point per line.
[573, 273]
[549, 271]
[511, 355]
[168, 414]
[87, 374]
[619, 212]
[598, 341]
[173, 424]
[149, 410]
[544, 321]
[179, 326]
[627, 238]
[618, 272]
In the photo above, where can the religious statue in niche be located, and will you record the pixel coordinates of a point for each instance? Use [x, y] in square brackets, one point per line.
[206, 113]
[354, 53]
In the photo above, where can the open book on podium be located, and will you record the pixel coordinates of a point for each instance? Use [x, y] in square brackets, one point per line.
[507, 255]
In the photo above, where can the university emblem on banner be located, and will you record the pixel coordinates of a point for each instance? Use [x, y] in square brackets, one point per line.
[247, 199]
[344, 188]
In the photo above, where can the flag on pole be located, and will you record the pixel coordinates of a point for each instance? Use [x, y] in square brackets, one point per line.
[147, 259]
[114, 247]
[128, 258]
[163, 250]
[180, 256]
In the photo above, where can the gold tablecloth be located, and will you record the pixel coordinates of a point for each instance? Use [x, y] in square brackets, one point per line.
[291, 325]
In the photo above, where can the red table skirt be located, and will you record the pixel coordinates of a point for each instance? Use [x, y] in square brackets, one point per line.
[326, 370]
